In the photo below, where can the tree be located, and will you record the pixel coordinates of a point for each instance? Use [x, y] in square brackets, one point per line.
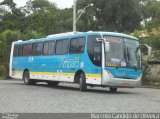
[9, 3]
[42, 16]
[65, 20]
[112, 15]
[14, 18]
[151, 14]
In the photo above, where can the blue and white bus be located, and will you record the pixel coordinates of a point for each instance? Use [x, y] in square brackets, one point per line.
[104, 59]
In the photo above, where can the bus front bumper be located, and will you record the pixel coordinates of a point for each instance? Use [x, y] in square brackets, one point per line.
[122, 83]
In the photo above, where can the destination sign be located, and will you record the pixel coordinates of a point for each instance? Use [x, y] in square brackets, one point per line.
[112, 39]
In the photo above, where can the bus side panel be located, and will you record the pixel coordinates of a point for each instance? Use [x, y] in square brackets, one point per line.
[50, 68]
[35, 67]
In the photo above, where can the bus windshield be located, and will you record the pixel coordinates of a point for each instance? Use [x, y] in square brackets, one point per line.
[122, 52]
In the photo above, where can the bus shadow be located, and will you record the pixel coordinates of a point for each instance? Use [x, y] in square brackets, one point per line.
[89, 90]
[76, 88]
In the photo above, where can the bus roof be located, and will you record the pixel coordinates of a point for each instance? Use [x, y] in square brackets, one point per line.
[78, 34]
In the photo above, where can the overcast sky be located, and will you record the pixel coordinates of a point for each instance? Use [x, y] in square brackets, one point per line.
[60, 3]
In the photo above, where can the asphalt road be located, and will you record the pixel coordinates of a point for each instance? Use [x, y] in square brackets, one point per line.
[15, 97]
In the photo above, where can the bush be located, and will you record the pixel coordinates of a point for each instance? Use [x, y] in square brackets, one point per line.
[4, 70]
[145, 78]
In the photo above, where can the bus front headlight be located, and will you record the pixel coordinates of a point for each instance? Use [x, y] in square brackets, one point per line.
[110, 74]
[139, 77]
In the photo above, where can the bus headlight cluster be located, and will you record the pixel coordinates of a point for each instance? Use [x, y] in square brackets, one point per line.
[110, 74]
[140, 76]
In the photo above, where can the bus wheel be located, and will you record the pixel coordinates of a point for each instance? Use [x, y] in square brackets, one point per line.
[27, 80]
[53, 83]
[82, 82]
[113, 90]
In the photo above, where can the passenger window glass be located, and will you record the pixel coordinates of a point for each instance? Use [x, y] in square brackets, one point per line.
[37, 49]
[77, 45]
[15, 52]
[45, 48]
[65, 46]
[58, 47]
[51, 49]
[20, 51]
[62, 47]
[94, 50]
[26, 49]
[97, 50]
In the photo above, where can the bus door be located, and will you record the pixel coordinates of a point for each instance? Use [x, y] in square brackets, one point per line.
[97, 60]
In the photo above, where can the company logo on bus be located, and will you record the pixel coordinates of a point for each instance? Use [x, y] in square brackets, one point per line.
[70, 63]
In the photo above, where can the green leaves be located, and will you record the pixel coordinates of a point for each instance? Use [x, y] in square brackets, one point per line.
[112, 15]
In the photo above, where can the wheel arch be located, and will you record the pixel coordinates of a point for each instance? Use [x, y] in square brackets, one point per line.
[25, 71]
[77, 75]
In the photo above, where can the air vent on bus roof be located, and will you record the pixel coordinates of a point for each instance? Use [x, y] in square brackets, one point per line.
[62, 34]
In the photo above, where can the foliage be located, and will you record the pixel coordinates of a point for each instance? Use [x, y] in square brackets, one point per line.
[151, 14]
[112, 15]
[6, 39]
[42, 16]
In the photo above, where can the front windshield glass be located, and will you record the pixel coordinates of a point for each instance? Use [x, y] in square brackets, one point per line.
[122, 52]
[114, 50]
[132, 53]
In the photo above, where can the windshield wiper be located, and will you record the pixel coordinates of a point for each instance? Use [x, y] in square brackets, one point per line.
[127, 56]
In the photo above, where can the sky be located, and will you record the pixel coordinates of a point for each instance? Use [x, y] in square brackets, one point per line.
[60, 3]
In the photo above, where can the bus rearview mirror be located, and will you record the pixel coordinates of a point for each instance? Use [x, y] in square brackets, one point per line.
[149, 49]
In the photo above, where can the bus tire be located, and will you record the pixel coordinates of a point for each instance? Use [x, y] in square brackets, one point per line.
[52, 83]
[113, 90]
[82, 82]
[27, 80]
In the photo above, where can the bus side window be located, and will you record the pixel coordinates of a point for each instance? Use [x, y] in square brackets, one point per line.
[20, 51]
[26, 49]
[15, 52]
[77, 45]
[49, 48]
[62, 47]
[45, 48]
[36, 49]
[94, 50]
[97, 49]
